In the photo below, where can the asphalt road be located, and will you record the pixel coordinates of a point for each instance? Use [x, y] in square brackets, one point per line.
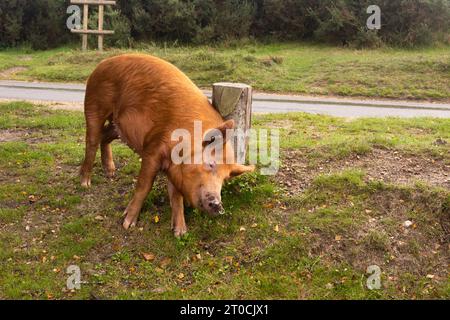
[263, 103]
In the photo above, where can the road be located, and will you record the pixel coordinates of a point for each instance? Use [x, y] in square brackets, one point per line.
[263, 103]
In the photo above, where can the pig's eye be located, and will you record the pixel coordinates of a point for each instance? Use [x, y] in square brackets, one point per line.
[211, 165]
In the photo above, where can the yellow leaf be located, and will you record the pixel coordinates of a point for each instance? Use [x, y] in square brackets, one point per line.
[277, 228]
[181, 276]
[156, 219]
[229, 259]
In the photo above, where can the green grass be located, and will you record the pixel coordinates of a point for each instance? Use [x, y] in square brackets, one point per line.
[285, 67]
[315, 244]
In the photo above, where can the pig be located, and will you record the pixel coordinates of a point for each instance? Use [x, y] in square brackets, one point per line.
[141, 100]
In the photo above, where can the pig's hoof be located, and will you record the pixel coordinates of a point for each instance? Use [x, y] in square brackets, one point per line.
[179, 232]
[129, 222]
[110, 173]
[85, 182]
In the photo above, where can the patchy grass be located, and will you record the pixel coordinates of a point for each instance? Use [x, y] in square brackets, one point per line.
[313, 244]
[284, 67]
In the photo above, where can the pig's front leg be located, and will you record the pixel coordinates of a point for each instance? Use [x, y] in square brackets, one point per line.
[177, 203]
[149, 170]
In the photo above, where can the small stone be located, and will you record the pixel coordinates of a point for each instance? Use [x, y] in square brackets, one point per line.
[407, 224]
[99, 218]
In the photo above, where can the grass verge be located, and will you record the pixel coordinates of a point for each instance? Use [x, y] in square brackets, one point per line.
[284, 67]
[315, 243]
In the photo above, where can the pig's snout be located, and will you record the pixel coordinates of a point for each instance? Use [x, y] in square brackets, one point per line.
[212, 204]
[215, 206]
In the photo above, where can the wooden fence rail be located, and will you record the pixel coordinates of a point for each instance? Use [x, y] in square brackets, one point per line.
[101, 15]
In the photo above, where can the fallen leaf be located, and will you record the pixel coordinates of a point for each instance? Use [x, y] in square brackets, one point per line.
[277, 228]
[254, 225]
[229, 259]
[430, 276]
[181, 276]
[268, 206]
[242, 229]
[148, 256]
[165, 262]
[156, 219]
[338, 238]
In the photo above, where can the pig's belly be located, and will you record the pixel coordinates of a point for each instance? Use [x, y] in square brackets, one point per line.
[132, 129]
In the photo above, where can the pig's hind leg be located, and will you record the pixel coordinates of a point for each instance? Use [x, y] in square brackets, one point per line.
[109, 134]
[94, 126]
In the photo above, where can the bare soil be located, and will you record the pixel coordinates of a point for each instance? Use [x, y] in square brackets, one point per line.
[5, 74]
[296, 172]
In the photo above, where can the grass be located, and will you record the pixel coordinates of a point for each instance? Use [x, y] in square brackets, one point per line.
[315, 244]
[284, 67]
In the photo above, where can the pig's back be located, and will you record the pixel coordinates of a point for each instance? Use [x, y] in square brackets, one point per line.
[144, 94]
[134, 79]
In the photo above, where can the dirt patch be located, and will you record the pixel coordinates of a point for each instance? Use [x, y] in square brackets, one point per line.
[419, 249]
[12, 71]
[296, 172]
[25, 58]
[29, 136]
[12, 135]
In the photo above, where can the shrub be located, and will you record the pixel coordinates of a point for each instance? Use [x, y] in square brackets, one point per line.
[41, 23]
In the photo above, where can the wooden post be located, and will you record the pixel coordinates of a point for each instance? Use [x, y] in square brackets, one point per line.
[234, 101]
[84, 44]
[101, 17]
[100, 26]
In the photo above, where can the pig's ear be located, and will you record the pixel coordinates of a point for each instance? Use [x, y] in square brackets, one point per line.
[227, 125]
[239, 169]
[210, 136]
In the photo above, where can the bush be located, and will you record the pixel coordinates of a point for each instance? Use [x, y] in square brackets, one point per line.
[113, 21]
[41, 23]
